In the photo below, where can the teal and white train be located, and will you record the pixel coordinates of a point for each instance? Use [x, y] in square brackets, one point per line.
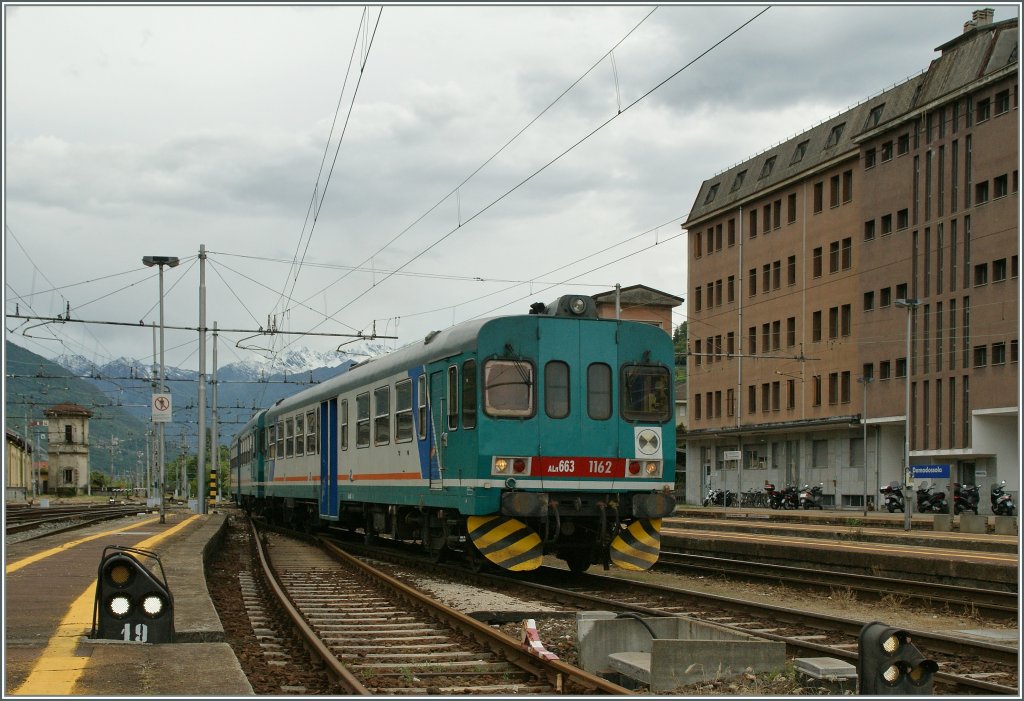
[508, 438]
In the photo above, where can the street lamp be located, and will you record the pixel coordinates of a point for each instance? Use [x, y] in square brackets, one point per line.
[909, 501]
[866, 380]
[160, 262]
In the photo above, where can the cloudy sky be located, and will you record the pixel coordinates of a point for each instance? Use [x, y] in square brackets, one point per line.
[147, 130]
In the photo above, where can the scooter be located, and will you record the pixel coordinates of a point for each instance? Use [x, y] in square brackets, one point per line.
[965, 498]
[1002, 503]
[774, 496]
[893, 497]
[810, 497]
[790, 498]
[931, 503]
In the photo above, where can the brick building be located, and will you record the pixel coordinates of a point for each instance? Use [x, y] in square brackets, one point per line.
[797, 258]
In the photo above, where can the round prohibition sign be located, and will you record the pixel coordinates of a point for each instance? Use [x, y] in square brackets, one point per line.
[648, 442]
[161, 403]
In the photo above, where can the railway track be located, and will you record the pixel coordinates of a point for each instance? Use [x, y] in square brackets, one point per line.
[989, 603]
[378, 635]
[53, 520]
[966, 666]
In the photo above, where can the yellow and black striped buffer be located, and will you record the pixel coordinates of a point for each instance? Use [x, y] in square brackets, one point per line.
[638, 546]
[506, 542]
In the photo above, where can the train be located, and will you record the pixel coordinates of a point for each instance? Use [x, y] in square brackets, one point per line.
[498, 440]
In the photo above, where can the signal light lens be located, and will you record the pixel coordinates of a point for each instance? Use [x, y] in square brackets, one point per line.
[153, 605]
[652, 468]
[891, 674]
[120, 574]
[518, 465]
[500, 465]
[634, 467]
[891, 644]
[120, 606]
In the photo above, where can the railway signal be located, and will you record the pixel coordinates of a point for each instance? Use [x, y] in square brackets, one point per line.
[132, 605]
[888, 664]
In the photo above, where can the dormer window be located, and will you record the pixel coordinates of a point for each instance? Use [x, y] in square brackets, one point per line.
[798, 154]
[833, 136]
[738, 181]
[711, 194]
[874, 116]
[766, 169]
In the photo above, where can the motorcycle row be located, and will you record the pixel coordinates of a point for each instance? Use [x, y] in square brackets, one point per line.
[965, 498]
[788, 497]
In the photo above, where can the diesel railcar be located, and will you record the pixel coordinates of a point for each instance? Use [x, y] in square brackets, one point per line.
[506, 438]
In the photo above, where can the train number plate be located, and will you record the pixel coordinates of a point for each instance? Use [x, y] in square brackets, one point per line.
[579, 467]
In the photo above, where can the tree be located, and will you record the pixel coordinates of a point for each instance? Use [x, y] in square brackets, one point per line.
[680, 339]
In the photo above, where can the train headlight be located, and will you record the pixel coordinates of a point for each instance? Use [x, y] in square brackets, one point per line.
[651, 467]
[577, 305]
[500, 465]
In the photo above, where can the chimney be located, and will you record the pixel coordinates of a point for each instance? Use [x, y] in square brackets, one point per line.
[983, 17]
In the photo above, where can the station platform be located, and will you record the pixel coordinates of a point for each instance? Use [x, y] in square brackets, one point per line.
[50, 594]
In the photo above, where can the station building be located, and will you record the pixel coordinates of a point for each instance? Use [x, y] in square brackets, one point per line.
[813, 265]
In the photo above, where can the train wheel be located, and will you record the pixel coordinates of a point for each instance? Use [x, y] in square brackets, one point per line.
[578, 561]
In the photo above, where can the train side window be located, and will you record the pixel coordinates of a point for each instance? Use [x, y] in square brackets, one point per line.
[363, 420]
[469, 394]
[508, 388]
[311, 430]
[289, 437]
[556, 389]
[300, 435]
[271, 442]
[382, 415]
[453, 398]
[646, 393]
[280, 439]
[403, 411]
[344, 424]
[599, 391]
[421, 406]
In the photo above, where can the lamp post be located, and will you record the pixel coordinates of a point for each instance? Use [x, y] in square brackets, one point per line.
[160, 262]
[909, 501]
[866, 380]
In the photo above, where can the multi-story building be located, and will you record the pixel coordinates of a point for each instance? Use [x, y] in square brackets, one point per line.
[809, 262]
[68, 428]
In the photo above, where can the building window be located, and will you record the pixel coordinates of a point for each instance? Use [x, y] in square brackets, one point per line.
[981, 192]
[869, 230]
[902, 220]
[816, 262]
[999, 353]
[766, 403]
[730, 289]
[833, 388]
[819, 196]
[712, 191]
[885, 297]
[999, 186]
[791, 394]
[752, 340]
[791, 270]
[833, 322]
[869, 158]
[816, 326]
[874, 116]
[901, 291]
[752, 280]
[886, 224]
[1013, 351]
[698, 352]
[869, 371]
[766, 169]
[732, 232]
[902, 147]
[983, 110]
[798, 152]
[767, 218]
[738, 181]
[834, 191]
[869, 300]
[844, 387]
[791, 208]
[816, 388]
[884, 370]
[777, 274]
[791, 331]
[847, 254]
[981, 274]
[753, 223]
[697, 245]
[835, 135]
[833, 257]
[777, 214]
[1002, 101]
[848, 186]
[999, 270]
[1013, 265]
[697, 298]
[730, 402]
[776, 335]
[846, 319]
[901, 367]
[718, 293]
[980, 356]
[751, 399]
[730, 343]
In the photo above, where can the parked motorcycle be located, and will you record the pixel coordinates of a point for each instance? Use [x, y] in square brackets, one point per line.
[965, 498]
[1002, 503]
[774, 496]
[719, 497]
[893, 497]
[927, 502]
[790, 497]
[810, 497]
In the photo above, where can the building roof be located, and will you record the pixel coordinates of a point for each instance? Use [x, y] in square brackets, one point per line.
[639, 295]
[67, 409]
[979, 52]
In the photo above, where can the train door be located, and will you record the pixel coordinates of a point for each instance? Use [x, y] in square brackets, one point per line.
[576, 375]
[438, 435]
[329, 459]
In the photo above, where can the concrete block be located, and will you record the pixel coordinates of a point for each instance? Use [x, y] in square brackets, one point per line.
[973, 523]
[837, 676]
[671, 651]
[1006, 525]
[942, 522]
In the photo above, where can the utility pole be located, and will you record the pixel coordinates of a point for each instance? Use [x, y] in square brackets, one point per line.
[201, 394]
[215, 439]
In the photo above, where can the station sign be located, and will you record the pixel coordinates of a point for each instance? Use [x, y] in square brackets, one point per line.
[930, 471]
[731, 455]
